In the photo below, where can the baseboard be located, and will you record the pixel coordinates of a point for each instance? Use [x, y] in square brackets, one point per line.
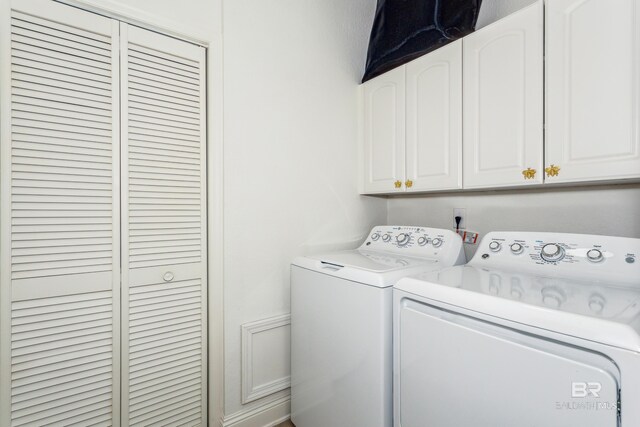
[278, 421]
[269, 414]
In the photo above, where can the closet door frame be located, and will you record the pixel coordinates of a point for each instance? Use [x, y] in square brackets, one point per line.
[5, 213]
[214, 145]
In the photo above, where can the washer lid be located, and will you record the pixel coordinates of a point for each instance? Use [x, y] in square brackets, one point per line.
[375, 262]
[368, 267]
[605, 312]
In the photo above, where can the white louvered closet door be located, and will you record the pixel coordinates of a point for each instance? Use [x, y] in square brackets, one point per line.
[164, 229]
[60, 218]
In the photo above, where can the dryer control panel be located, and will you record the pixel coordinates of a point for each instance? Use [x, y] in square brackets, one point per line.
[421, 242]
[578, 256]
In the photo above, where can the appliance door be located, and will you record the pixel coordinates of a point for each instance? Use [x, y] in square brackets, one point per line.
[341, 349]
[454, 370]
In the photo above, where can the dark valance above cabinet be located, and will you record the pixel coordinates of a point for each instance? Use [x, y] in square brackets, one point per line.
[406, 29]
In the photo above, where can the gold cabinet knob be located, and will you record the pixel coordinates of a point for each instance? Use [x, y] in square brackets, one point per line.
[552, 170]
[408, 183]
[529, 173]
[398, 184]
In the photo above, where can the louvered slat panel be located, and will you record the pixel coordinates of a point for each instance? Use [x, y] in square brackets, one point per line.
[64, 234]
[155, 350]
[48, 335]
[48, 120]
[43, 159]
[179, 66]
[165, 271]
[147, 206]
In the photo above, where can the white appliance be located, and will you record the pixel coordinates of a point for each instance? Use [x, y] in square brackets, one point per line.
[539, 329]
[341, 323]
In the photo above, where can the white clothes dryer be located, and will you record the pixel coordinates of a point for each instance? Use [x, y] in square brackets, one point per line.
[538, 329]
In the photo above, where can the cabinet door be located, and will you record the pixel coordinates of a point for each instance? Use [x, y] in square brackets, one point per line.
[503, 102]
[60, 275]
[164, 228]
[593, 90]
[434, 120]
[384, 126]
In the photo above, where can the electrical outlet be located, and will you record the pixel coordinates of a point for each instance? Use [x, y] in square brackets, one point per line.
[461, 212]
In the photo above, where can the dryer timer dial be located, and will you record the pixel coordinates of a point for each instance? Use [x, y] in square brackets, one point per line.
[552, 252]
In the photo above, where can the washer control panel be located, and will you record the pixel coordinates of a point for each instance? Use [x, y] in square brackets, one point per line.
[421, 242]
[563, 255]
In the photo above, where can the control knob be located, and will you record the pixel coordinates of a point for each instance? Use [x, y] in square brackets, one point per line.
[595, 255]
[516, 248]
[386, 237]
[437, 242]
[422, 241]
[495, 246]
[375, 237]
[402, 239]
[552, 252]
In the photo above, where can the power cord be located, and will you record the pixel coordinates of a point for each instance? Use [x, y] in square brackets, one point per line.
[458, 219]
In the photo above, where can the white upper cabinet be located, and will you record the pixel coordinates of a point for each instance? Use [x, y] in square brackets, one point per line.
[384, 132]
[474, 115]
[503, 102]
[434, 120]
[593, 90]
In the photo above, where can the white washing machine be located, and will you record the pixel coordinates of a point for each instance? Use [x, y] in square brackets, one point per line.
[341, 324]
[538, 329]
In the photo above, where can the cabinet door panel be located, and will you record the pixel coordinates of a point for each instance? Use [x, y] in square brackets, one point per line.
[434, 120]
[384, 130]
[593, 89]
[60, 277]
[503, 101]
[164, 229]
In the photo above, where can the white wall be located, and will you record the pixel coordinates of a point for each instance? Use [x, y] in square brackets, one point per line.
[492, 10]
[291, 71]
